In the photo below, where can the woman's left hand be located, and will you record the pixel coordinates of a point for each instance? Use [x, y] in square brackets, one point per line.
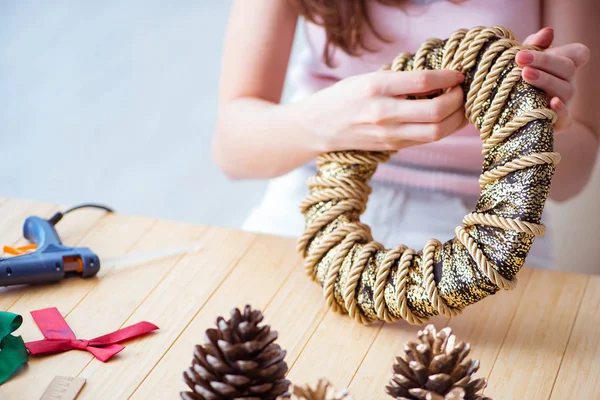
[553, 70]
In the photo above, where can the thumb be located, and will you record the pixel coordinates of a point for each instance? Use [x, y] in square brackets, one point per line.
[542, 38]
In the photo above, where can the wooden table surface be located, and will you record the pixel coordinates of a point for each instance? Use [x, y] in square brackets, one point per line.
[540, 341]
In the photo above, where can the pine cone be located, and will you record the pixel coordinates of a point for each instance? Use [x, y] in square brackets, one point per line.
[239, 360]
[436, 369]
[323, 391]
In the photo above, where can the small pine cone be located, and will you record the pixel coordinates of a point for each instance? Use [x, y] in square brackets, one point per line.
[436, 369]
[239, 360]
[323, 391]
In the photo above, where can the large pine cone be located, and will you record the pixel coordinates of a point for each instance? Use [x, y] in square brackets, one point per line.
[436, 369]
[323, 391]
[239, 360]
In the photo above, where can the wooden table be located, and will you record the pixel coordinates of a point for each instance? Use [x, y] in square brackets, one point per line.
[540, 341]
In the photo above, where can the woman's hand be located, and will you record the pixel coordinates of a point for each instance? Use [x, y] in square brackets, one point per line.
[553, 70]
[371, 112]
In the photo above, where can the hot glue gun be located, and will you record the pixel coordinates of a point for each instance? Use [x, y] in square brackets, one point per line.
[47, 260]
[51, 261]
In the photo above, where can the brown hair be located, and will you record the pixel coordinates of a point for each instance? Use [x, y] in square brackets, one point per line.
[344, 22]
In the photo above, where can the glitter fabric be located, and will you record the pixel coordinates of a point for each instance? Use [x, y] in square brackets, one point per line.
[459, 279]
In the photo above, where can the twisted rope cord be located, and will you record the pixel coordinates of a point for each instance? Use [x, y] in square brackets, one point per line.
[342, 193]
[400, 61]
[322, 221]
[460, 52]
[451, 47]
[519, 163]
[381, 279]
[401, 299]
[459, 56]
[481, 260]
[420, 59]
[432, 291]
[504, 223]
[353, 278]
[500, 99]
[474, 101]
[356, 233]
[512, 126]
[474, 47]
[316, 182]
[373, 158]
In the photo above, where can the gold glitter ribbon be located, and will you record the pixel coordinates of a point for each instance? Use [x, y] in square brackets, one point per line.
[361, 278]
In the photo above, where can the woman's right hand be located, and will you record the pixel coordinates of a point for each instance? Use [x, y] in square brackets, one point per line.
[370, 112]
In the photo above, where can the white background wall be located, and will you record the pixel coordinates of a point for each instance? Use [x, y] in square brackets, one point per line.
[576, 226]
[114, 101]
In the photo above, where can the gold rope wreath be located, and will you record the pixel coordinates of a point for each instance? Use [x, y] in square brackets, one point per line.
[360, 277]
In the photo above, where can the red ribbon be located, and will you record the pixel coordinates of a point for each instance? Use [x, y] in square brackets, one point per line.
[59, 337]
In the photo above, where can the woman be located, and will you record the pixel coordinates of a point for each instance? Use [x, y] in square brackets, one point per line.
[341, 101]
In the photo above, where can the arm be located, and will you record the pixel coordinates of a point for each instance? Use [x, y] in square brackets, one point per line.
[252, 133]
[567, 71]
[576, 22]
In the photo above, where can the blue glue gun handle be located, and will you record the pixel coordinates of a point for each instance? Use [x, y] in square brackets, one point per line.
[46, 267]
[31, 269]
[40, 232]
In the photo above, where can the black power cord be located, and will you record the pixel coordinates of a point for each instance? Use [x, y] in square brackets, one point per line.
[59, 215]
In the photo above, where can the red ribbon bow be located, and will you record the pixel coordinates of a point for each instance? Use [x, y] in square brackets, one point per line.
[59, 337]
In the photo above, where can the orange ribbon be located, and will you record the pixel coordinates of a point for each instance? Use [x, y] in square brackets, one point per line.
[18, 251]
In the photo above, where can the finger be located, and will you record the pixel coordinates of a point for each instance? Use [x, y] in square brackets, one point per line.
[397, 145]
[425, 133]
[373, 138]
[560, 66]
[564, 116]
[389, 83]
[463, 124]
[552, 85]
[579, 53]
[388, 110]
[542, 38]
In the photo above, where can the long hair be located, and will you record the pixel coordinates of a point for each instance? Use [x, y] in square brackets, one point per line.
[346, 23]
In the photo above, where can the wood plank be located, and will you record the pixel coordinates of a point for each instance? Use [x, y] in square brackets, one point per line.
[113, 235]
[295, 312]
[530, 356]
[376, 369]
[257, 278]
[335, 351]
[485, 325]
[580, 368]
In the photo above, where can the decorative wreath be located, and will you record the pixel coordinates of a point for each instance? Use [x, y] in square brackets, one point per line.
[362, 278]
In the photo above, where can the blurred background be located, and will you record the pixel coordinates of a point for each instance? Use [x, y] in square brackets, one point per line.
[115, 101]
